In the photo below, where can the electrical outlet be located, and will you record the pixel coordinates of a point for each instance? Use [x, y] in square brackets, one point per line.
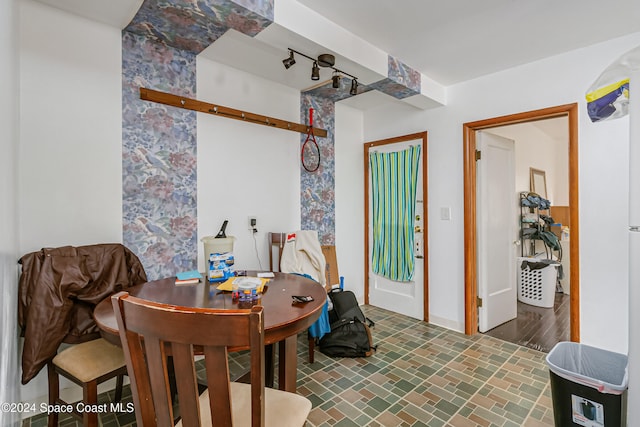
[253, 224]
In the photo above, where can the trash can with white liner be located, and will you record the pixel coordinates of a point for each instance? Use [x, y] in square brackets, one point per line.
[588, 386]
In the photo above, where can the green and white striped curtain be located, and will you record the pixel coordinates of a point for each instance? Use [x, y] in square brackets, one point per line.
[394, 178]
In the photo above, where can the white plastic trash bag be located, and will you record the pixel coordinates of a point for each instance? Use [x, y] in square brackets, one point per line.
[602, 370]
[608, 97]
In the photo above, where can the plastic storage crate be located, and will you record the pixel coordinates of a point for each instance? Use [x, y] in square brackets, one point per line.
[537, 287]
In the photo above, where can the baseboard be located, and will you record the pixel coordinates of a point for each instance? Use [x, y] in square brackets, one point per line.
[446, 323]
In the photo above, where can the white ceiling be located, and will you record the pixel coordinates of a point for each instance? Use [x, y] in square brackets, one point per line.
[447, 40]
[117, 13]
[456, 40]
[439, 38]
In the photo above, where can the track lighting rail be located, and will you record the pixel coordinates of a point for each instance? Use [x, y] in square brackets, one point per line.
[322, 64]
[325, 60]
[219, 110]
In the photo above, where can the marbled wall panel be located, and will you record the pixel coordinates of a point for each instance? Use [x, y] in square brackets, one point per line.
[193, 25]
[402, 81]
[392, 88]
[159, 158]
[159, 49]
[404, 75]
[317, 189]
[263, 8]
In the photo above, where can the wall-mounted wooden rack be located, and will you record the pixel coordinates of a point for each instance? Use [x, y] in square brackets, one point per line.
[219, 110]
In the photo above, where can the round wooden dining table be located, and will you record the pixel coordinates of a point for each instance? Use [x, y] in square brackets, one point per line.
[283, 319]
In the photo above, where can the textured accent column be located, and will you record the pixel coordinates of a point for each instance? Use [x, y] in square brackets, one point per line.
[317, 189]
[159, 192]
[159, 143]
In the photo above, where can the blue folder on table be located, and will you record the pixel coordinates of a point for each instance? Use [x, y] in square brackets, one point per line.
[185, 275]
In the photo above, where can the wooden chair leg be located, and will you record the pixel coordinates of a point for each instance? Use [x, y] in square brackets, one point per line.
[119, 383]
[90, 397]
[54, 393]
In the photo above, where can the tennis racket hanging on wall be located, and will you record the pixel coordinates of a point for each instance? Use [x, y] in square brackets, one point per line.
[310, 153]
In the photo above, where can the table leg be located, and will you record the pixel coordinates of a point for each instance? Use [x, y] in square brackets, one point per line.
[269, 362]
[288, 364]
[269, 368]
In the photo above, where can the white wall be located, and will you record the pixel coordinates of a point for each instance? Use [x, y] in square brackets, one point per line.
[349, 197]
[262, 164]
[536, 149]
[246, 169]
[71, 130]
[70, 156]
[603, 168]
[9, 135]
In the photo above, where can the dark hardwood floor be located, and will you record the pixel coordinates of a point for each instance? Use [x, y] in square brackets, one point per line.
[536, 327]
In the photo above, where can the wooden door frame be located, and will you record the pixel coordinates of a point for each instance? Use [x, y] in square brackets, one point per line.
[470, 234]
[425, 228]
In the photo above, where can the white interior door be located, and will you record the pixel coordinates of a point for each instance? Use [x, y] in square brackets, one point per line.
[497, 216]
[401, 297]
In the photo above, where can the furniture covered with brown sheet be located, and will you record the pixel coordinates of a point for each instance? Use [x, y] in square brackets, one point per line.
[58, 289]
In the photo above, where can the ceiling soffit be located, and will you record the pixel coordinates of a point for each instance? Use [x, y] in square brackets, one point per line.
[194, 26]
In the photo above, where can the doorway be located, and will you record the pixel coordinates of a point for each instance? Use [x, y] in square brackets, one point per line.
[406, 297]
[539, 319]
[470, 131]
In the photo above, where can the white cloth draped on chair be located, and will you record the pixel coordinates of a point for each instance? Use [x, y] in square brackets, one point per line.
[302, 254]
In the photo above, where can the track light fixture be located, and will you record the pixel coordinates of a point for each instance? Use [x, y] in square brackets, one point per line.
[336, 80]
[288, 62]
[325, 60]
[354, 87]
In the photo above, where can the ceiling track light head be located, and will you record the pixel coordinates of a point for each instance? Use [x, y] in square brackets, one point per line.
[315, 71]
[354, 87]
[336, 80]
[288, 62]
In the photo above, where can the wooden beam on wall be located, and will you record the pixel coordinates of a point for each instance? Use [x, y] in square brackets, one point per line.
[219, 110]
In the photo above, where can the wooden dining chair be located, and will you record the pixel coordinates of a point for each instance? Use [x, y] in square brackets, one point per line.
[277, 241]
[152, 331]
[87, 365]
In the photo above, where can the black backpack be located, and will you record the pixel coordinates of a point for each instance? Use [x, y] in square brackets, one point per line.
[350, 334]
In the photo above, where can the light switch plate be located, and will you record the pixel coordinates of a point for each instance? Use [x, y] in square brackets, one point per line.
[445, 213]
